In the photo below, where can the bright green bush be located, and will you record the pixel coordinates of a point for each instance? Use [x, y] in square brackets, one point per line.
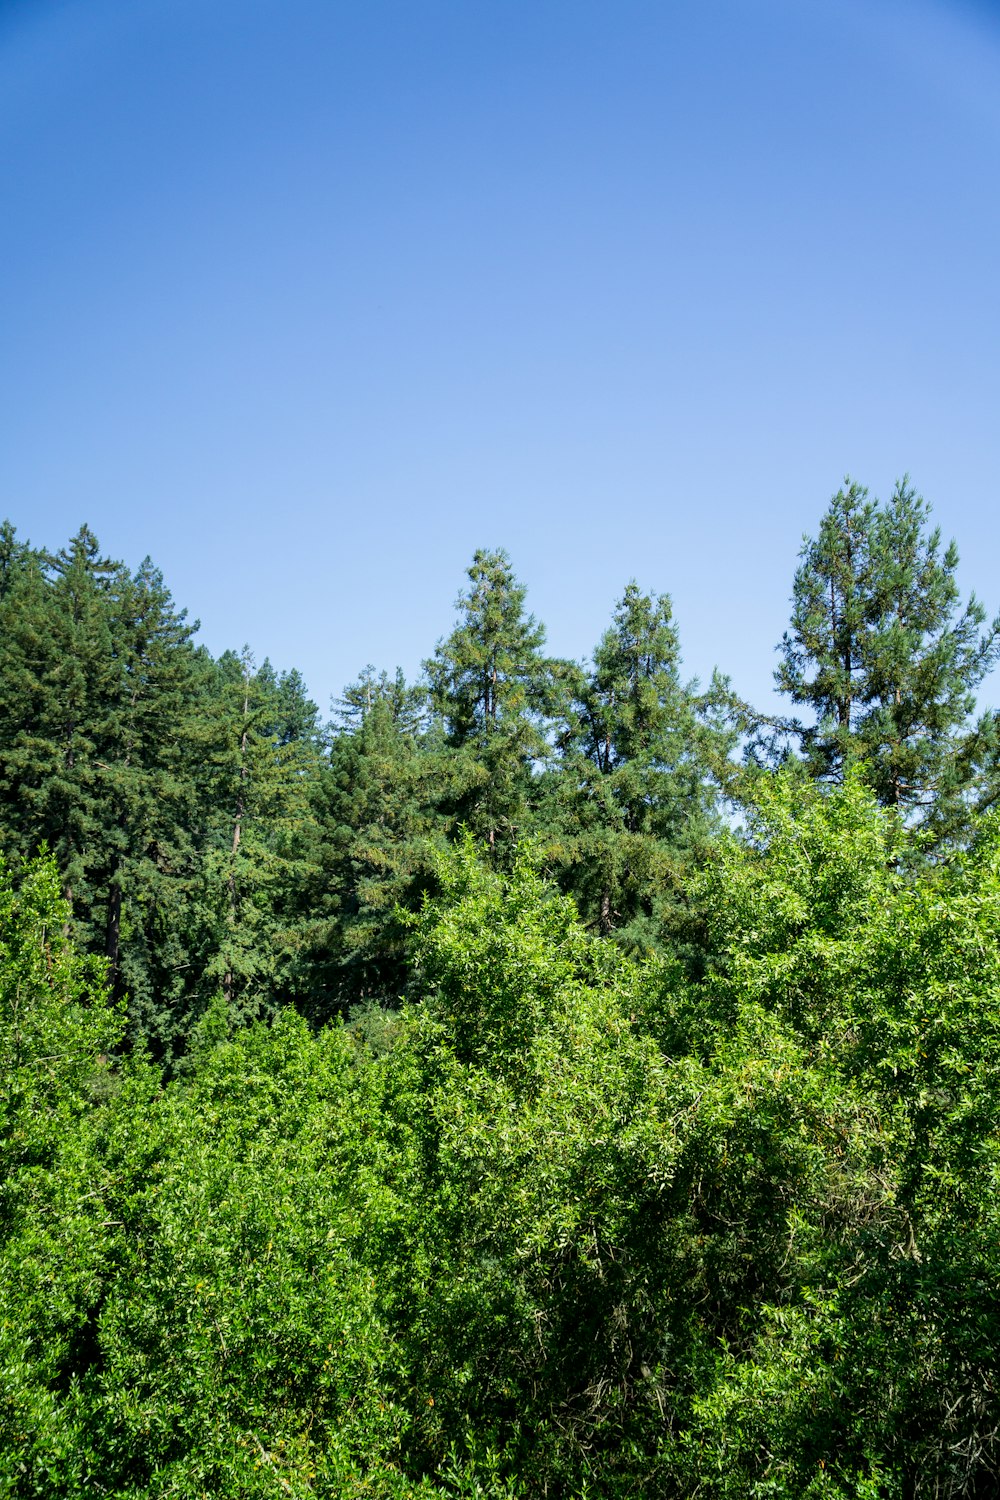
[568, 1226]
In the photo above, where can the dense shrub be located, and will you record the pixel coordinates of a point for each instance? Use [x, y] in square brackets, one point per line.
[568, 1225]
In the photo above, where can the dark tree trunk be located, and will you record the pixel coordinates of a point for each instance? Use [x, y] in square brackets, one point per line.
[112, 937]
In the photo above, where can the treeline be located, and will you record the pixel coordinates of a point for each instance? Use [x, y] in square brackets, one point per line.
[546, 1080]
[221, 847]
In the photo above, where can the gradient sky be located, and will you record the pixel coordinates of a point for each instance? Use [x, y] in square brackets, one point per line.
[309, 300]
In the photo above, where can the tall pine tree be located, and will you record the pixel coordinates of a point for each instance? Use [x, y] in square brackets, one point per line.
[378, 819]
[496, 692]
[882, 650]
[262, 748]
[634, 798]
[99, 688]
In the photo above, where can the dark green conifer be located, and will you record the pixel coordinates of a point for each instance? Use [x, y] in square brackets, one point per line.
[15, 558]
[59, 677]
[99, 692]
[263, 746]
[155, 794]
[377, 804]
[496, 692]
[634, 797]
[882, 650]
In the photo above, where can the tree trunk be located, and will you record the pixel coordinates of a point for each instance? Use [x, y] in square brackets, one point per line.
[112, 937]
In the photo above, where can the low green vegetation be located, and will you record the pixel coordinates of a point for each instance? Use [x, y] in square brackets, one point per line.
[461, 1102]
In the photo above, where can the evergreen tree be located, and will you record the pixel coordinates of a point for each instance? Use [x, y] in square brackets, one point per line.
[16, 558]
[377, 808]
[496, 692]
[633, 798]
[58, 678]
[884, 653]
[401, 703]
[262, 735]
[99, 691]
[155, 791]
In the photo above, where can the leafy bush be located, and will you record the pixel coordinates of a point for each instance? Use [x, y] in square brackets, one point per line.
[567, 1225]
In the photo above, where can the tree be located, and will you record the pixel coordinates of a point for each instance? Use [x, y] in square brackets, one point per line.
[874, 989]
[262, 746]
[151, 779]
[376, 805]
[16, 558]
[496, 692]
[100, 691]
[884, 653]
[54, 1024]
[58, 680]
[56, 1029]
[633, 795]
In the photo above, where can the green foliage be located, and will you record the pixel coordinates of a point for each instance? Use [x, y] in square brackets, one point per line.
[262, 743]
[882, 651]
[100, 751]
[887, 988]
[377, 809]
[567, 1225]
[496, 692]
[55, 1031]
[707, 1209]
[54, 1023]
[632, 802]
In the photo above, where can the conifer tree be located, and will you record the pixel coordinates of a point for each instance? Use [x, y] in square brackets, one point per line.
[59, 677]
[99, 687]
[882, 650]
[15, 558]
[634, 795]
[377, 808]
[262, 739]
[496, 692]
[155, 790]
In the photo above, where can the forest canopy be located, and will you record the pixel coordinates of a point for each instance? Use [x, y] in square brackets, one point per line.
[546, 1078]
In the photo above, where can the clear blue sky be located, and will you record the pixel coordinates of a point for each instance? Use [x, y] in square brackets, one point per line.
[308, 299]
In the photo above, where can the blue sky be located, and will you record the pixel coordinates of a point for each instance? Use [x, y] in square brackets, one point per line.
[309, 300]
